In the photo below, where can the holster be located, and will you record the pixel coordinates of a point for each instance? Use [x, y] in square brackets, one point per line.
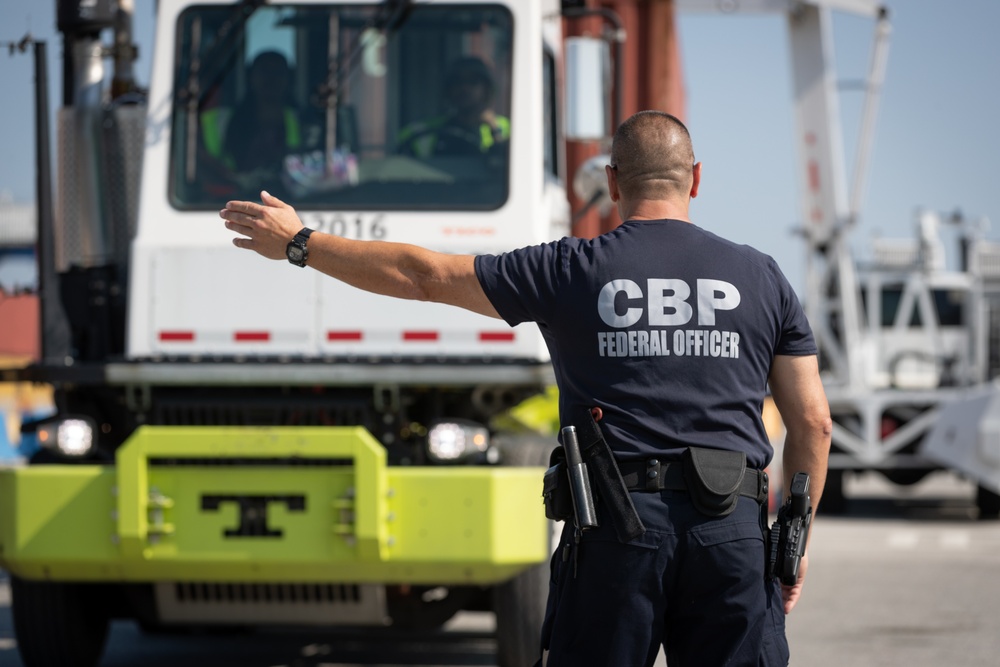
[604, 472]
[610, 485]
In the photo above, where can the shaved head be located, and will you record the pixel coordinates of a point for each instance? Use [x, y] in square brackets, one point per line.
[653, 157]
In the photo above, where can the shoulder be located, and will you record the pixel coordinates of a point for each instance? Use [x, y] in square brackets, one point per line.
[746, 252]
[730, 251]
[543, 262]
[542, 252]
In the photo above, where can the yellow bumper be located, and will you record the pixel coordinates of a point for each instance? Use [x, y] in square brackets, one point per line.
[269, 505]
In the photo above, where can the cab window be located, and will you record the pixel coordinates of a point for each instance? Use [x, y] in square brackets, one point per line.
[948, 307]
[380, 107]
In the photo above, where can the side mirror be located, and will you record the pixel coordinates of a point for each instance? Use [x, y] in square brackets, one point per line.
[588, 88]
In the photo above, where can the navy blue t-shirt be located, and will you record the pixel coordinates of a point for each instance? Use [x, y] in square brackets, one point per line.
[668, 328]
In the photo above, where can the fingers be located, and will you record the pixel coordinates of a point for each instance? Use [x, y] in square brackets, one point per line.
[248, 208]
[245, 230]
[246, 215]
[789, 596]
[263, 227]
[271, 200]
[241, 223]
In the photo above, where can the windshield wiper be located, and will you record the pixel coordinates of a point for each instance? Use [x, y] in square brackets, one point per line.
[219, 55]
[387, 19]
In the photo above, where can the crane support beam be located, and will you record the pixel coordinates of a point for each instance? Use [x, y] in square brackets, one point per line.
[821, 155]
[870, 8]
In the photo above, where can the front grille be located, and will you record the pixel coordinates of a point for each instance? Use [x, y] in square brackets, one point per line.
[271, 409]
[188, 592]
[270, 603]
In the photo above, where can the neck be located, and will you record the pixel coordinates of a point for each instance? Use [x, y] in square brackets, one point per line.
[649, 209]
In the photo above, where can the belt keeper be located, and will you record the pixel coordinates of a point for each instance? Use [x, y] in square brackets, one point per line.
[653, 475]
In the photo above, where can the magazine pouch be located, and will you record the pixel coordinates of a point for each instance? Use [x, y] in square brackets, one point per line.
[714, 478]
[556, 493]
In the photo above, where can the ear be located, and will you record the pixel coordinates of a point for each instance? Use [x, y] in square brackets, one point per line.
[612, 183]
[696, 179]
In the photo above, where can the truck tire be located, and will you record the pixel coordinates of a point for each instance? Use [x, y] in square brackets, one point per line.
[519, 604]
[58, 624]
[988, 503]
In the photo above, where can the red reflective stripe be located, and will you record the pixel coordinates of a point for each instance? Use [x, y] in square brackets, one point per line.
[496, 336]
[250, 336]
[177, 335]
[813, 176]
[420, 335]
[343, 335]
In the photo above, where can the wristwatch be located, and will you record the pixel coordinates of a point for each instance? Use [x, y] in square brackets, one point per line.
[296, 250]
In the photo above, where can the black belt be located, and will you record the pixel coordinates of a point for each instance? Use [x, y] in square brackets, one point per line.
[655, 475]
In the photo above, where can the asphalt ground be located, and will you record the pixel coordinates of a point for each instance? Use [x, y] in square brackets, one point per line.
[908, 577]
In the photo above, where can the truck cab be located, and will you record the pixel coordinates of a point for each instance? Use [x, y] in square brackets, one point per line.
[409, 123]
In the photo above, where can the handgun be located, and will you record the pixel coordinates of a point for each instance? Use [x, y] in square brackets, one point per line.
[790, 532]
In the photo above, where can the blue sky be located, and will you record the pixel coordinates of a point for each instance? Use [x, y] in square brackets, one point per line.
[937, 143]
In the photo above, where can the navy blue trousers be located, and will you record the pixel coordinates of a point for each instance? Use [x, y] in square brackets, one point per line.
[692, 583]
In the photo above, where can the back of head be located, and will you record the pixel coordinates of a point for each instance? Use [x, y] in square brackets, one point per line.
[653, 157]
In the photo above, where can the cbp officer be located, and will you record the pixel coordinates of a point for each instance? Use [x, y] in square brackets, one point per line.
[674, 334]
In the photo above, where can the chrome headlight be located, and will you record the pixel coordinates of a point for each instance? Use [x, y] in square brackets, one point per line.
[70, 436]
[456, 440]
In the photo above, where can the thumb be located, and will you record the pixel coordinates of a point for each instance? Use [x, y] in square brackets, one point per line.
[270, 200]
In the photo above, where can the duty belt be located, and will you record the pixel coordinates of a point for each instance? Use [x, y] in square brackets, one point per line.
[655, 475]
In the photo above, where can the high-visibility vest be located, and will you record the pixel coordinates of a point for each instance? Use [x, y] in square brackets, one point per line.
[215, 121]
[421, 138]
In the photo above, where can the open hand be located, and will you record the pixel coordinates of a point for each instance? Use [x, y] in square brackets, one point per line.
[268, 226]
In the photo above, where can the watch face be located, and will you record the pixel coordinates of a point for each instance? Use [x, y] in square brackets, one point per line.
[295, 253]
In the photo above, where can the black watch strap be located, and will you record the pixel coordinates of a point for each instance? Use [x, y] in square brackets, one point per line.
[297, 251]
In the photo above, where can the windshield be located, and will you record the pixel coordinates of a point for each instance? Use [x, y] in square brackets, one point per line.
[343, 106]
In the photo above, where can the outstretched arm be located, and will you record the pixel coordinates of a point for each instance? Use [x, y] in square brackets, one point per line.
[799, 396]
[394, 269]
